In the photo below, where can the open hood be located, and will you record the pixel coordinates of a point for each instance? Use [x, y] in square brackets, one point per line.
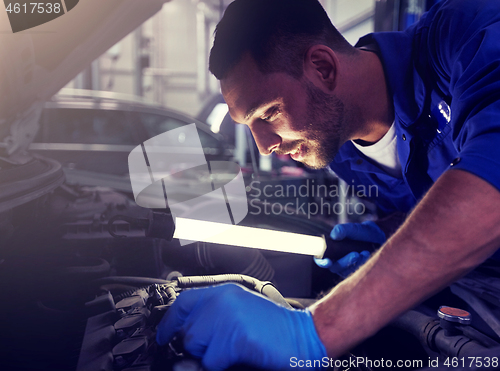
[39, 61]
[35, 64]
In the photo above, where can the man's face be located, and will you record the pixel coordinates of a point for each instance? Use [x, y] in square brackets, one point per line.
[285, 115]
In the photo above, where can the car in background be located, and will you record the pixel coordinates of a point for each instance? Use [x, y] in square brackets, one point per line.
[95, 131]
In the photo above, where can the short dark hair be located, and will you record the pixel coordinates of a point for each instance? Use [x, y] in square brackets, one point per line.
[277, 33]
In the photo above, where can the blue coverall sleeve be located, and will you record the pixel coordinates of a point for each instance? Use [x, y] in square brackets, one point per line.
[464, 41]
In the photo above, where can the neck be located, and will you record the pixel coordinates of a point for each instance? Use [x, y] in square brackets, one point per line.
[371, 108]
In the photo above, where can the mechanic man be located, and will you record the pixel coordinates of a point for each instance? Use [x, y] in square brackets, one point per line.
[377, 113]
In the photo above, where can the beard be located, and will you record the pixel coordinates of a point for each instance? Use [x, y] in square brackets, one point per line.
[323, 129]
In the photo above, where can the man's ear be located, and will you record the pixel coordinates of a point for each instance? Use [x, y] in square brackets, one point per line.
[321, 67]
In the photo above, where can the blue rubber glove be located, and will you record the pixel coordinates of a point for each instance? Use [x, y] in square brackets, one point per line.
[227, 325]
[366, 231]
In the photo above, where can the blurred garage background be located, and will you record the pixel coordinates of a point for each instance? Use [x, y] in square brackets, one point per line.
[165, 59]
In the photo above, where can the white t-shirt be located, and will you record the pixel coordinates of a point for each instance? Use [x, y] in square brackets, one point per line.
[384, 153]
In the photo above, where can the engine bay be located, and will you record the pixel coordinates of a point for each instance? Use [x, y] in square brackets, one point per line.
[77, 297]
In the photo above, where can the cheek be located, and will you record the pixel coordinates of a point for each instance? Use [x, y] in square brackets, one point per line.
[299, 122]
[293, 130]
[297, 108]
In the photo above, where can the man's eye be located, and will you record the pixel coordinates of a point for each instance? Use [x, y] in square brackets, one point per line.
[270, 115]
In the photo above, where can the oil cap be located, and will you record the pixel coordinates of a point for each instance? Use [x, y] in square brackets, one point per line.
[451, 317]
[451, 314]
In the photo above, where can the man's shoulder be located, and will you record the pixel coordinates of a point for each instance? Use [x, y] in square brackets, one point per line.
[464, 8]
[451, 18]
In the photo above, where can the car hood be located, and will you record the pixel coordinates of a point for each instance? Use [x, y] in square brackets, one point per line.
[38, 62]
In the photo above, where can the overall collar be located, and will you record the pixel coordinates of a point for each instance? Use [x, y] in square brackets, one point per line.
[403, 81]
[405, 85]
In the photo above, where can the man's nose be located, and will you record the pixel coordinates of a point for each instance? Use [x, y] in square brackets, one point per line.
[267, 141]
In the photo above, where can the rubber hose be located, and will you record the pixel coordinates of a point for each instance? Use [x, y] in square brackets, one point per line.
[137, 281]
[264, 288]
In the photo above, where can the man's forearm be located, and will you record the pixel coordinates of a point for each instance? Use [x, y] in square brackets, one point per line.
[453, 229]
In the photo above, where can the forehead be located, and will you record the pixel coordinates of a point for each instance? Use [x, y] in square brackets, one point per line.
[246, 88]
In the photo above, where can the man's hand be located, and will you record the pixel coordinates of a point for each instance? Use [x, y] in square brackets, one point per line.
[367, 232]
[346, 265]
[227, 325]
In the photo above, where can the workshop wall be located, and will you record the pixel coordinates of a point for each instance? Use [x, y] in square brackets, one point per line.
[165, 60]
